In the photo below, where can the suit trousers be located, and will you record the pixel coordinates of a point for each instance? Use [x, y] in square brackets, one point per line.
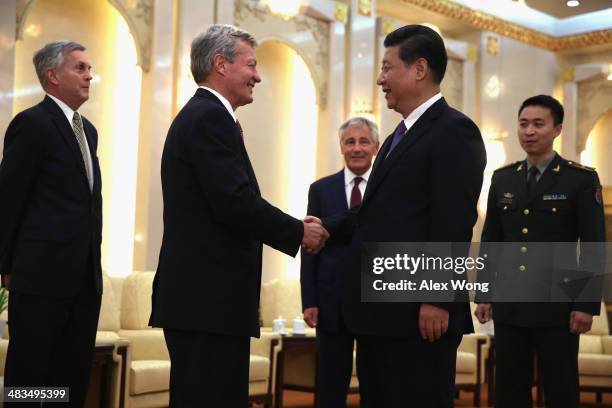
[407, 372]
[208, 370]
[52, 340]
[556, 350]
[335, 367]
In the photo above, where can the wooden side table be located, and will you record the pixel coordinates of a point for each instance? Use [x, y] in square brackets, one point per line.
[292, 344]
[104, 362]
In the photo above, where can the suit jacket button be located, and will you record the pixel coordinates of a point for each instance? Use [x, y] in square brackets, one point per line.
[505, 207]
[522, 268]
[523, 249]
[554, 209]
[524, 231]
[526, 211]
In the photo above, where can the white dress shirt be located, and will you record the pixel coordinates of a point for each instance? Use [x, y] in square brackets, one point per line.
[349, 182]
[224, 101]
[69, 116]
[416, 114]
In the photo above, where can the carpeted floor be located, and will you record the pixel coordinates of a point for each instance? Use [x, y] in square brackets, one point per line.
[294, 399]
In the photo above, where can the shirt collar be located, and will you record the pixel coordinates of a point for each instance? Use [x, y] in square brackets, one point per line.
[65, 108]
[349, 176]
[416, 114]
[542, 165]
[223, 100]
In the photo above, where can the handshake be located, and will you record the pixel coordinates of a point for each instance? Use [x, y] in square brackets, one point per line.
[315, 235]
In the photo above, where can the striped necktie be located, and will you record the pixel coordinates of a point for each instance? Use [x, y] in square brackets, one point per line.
[77, 127]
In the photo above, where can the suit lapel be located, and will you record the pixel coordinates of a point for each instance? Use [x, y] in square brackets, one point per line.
[339, 190]
[251, 172]
[384, 164]
[60, 121]
[203, 93]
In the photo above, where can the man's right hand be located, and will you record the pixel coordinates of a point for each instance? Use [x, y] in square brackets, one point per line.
[311, 316]
[483, 312]
[6, 282]
[314, 235]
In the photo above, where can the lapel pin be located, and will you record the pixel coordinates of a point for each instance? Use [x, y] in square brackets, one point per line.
[557, 168]
[520, 167]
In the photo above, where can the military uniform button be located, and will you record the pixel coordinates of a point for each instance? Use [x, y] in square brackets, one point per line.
[566, 280]
[523, 249]
[522, 268]
[525, 231]
[554, 209]
[505, 207]
[526, 211]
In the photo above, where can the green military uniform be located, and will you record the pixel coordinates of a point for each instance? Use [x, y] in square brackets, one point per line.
[564, 206]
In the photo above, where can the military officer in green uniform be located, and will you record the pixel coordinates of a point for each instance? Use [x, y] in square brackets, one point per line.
[544, 198]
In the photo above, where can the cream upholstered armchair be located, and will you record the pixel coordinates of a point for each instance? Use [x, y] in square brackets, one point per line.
[143, 375]
[595, 357]
[282, 297]
[471, 355]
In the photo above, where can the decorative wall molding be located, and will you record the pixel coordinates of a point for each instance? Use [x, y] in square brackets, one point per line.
[313, 34]
[139, 16]
[488, 22]
[594, 96]
[23, 9]
[137, 13]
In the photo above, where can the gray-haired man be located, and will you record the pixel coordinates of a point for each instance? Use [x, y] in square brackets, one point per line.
[51, 218]
[320, 275]
[206, 289]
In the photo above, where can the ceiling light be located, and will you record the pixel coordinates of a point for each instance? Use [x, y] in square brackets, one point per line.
[572, 3]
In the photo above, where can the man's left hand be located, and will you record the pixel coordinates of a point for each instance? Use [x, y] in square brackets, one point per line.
[580, 322]
[433, 322]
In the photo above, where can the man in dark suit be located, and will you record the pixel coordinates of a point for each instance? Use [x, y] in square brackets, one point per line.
[544, 198]
[206, 289]
[320, 274]
[51, 217]
[424, 187]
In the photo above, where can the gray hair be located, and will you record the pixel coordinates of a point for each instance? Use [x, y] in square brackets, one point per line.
[52, 56]
[360, 121]
[217, 39]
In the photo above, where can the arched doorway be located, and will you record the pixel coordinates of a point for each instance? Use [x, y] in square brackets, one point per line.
[114, 105]
[281, 137]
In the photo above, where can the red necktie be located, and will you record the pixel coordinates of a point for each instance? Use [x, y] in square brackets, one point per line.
[240, 129]
[356, 193]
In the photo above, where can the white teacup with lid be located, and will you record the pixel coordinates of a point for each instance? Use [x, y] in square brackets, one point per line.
[299, 326]
[278, 325]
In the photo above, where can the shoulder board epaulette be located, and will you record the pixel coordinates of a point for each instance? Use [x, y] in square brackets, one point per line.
[507, 166]
[579, 166]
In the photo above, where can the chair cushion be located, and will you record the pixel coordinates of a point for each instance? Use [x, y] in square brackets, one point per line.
[149, 376]
[594, 364]
[109, 319]
[136, 300]
[466, 362]
[590, 344]
[259, 368]
[106, 337]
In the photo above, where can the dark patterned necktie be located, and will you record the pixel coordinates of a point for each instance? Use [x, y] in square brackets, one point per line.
[532, 178]
[356, 193]
[79, 133]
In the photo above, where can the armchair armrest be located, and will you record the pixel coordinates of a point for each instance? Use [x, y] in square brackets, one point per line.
[606, 342]
[146, 344]
[3, 350]
[477, 344]
[268, 345]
